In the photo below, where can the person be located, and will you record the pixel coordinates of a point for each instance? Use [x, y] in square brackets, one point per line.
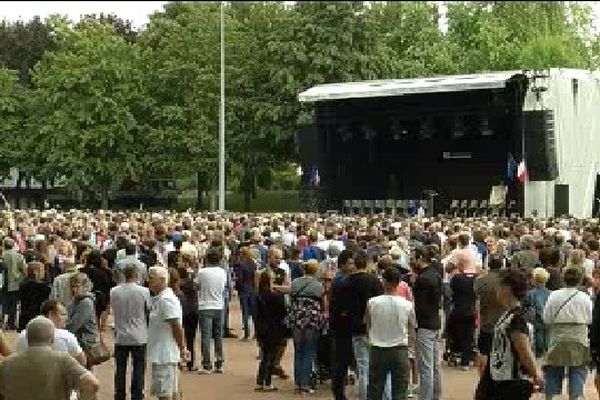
[306, 321]
[270, 331]
[363, 287]
[130, 258]
[390, 319]
[82, 320]
[5, 349]
[129, 304]
[14, 265]
[465, 256]
[61, 287]
[41, 373]
[527, 257]
[427, 292]
[189, 305]
[101, 278]
[245, 272]
[33, 292]
[339, 319]
[536, 300]
[490, 310]
[296, 265]
[511, 373]
[64, 340]
[212, 280]
[567, 313]
[550, 259]
[461, 322]
[166, 345]
[595, 342]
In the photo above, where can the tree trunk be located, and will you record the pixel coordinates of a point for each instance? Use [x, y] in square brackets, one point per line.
[200, 185]
[253, 180]
[104, 198]
[18, 190]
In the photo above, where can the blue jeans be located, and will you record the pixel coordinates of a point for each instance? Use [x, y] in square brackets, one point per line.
[211, 323]
[248, 306]
[361, 354]
[225, 320]
[138, 355]
[305, 351]
[554, 376]
[428, 356]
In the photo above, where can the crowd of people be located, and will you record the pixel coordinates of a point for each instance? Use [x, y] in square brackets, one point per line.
[376, 300]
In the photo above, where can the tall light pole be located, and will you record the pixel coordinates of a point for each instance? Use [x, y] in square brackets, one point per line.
[222, 117]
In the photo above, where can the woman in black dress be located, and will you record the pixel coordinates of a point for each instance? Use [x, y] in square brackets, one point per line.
[270, 330]
[96, 268]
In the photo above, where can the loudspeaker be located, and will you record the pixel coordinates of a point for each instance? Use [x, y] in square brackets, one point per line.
[540, 146]
[561, 200]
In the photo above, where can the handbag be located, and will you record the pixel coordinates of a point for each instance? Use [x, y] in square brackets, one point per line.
[97, 353]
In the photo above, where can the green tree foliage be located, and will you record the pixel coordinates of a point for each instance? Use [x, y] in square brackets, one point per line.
[12, 96]
[91, 104]
[22, 45]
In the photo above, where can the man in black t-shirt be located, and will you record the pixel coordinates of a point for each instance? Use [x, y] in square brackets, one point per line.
[363, 287]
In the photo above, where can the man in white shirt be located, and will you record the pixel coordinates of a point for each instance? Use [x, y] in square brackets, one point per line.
[390, 322]
[64, 341]
[129, 302]
[211, 280]
[166, 344]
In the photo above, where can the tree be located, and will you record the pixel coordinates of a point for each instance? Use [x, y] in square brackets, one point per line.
[122, 27]
[182, 74]
[22, 45]
[12, 95]
[91, 107]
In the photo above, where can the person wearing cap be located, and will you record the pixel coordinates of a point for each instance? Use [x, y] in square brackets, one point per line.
[390, 320]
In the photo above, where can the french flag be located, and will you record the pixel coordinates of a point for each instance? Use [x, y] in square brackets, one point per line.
[522, 175]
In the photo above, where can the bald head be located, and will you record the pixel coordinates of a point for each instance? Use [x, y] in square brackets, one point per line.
[40, 332]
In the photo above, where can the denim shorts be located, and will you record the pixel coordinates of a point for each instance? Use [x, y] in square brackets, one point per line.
[554, 376]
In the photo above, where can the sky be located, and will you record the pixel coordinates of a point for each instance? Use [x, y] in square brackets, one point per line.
[135, 11]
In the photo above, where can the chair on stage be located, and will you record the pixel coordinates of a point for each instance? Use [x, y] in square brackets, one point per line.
[368, 206]
[347, 207]
[464, 207]
[356, 207]
[454, 205]
[378, 206]
[401, 207]
[484, 208]
[390, 207]
[473, 207]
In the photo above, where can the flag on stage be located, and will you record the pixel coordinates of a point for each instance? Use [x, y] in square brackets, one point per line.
[511, 168]
[522, 172]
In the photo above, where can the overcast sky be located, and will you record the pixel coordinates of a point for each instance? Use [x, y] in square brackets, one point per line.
[135, 11]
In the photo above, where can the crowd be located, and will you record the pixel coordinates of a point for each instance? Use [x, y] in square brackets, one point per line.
[379, 300]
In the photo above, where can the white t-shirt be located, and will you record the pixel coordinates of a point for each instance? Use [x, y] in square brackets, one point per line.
[64, 341]
[212, 281]
[390, 318]
[162, 347]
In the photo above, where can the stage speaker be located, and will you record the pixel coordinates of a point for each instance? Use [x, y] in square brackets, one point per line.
[561, 200]
[540, 145]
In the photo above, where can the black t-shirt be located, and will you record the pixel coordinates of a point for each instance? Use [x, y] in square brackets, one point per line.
[339, 307]
[427, 293]
[463, 295]
[363, 286]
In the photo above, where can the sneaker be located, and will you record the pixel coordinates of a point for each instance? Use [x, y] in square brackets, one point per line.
[218, 370]
[309, 391]
[464, 368]
[270, 389]
[205, 371]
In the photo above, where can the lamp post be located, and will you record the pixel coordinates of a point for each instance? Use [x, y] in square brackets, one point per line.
[222, 117]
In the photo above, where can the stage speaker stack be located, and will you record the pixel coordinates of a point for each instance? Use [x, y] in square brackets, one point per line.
[540, 145]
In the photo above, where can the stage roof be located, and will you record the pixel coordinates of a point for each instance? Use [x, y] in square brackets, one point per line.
[400, 87]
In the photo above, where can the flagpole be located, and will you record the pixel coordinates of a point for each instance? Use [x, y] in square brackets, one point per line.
[222, 117]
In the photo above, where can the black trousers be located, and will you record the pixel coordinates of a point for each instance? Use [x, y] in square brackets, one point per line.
[138, 354]
[341, 361]
[11, 300]
[190, 327]
[462, 330]
[384, 361]
[268, 355]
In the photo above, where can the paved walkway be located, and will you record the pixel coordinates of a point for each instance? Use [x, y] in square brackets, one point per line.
[237, 382]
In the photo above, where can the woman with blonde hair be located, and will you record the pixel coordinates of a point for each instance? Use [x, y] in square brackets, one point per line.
[536, 301]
